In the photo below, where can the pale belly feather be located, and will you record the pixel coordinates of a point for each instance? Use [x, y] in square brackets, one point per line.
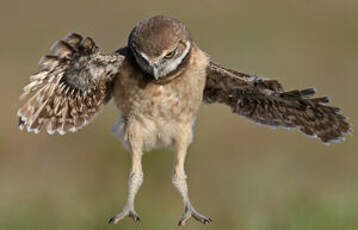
[158, 133]
[158, 120]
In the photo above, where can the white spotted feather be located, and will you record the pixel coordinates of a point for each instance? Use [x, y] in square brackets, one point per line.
[71, 87]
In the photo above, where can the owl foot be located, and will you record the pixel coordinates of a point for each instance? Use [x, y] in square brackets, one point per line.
[191, 212]
[125, 212]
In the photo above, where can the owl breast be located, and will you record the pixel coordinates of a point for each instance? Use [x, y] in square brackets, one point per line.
[157, 114]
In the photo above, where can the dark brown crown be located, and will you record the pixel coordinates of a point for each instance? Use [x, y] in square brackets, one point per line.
[154, 35]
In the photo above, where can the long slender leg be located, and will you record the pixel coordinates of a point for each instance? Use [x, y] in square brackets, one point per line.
[179, 181]
[134, 183]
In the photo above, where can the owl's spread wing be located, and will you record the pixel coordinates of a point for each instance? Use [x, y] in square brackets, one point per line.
[70, 89]
[265, 102]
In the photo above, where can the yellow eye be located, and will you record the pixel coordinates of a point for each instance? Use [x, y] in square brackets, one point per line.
[170, 54]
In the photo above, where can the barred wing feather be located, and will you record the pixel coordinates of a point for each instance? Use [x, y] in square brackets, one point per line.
[71, 88]
[266, 102]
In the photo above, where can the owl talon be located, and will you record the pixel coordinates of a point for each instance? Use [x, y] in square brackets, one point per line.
[135, 217]
[120, 216]
[190, 212]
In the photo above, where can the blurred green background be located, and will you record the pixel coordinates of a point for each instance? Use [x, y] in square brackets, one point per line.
[242, 175]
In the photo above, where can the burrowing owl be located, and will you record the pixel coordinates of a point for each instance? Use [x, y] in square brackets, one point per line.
[158, 82]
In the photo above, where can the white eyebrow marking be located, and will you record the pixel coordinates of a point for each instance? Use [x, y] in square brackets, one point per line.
[144, 56]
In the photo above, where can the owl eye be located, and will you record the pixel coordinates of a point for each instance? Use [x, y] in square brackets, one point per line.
[170, 54]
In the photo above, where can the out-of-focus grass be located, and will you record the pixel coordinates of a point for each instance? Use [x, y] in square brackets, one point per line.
[242, 175]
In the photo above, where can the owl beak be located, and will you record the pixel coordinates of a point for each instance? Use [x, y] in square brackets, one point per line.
[155, 72]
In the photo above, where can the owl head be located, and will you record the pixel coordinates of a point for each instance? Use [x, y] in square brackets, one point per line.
[160, 45]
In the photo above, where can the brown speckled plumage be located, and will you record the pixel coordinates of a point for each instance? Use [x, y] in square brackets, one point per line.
[266, 102]
[158, 82]
[71, 87]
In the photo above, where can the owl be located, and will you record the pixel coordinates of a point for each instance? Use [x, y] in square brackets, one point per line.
[158, 81]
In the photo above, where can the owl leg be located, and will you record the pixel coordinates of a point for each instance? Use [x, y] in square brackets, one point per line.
[134, 183]
[179, 182]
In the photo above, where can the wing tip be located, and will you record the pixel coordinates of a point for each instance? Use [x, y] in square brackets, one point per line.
[74, 39]
[61, 49]
[336, 140]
